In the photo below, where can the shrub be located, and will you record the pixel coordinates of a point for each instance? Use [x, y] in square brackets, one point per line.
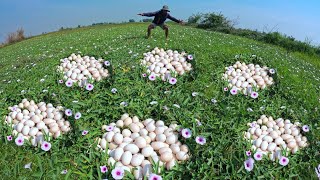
[146, 20]
[15, 36]
[131, 20]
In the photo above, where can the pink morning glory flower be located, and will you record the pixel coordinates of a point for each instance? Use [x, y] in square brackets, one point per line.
[117, 173]
[195, 94]
[225, 89]
[190, 57]
[144, 75]
[114, 90]
[9, 138]
[89, 87]
[248, 153]
[283, 161]
[258, 155]
[124, 104]
[172, 81]
[69, 83]
[65, 171]
[103, 169]
[198, 122]
[152, 77]
[77, 116]
[68, 112]
[254, 95]
[154, 177]
[19, 141]
[233, 91]
[248, 164]
[107, 63]
[46, 146]
[200, 140]
[272, 71]
[214, 101]
[27, 166]
[84, 132]
[305, 128]
[186, 133]
[109, 128]
[60, 81]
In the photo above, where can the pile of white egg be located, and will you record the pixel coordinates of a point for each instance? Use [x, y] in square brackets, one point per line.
[166, 64]
[271, 136]
[80, 69]
[244, 77]
[134, 144]
[33, 121]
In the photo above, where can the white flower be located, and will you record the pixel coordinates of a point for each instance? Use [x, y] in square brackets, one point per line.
[27, 166]
[153, 102]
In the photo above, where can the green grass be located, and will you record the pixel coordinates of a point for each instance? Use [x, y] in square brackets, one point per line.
[223, 123]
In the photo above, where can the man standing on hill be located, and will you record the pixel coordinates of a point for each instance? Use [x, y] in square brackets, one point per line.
[159, 18]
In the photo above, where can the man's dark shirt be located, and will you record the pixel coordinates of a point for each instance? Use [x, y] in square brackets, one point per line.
[160, 17]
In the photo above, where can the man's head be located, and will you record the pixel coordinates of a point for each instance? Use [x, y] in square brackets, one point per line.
[165, 9]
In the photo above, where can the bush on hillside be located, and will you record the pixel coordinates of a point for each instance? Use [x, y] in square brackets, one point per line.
[218, 22]
[131, 20]
[15, 36]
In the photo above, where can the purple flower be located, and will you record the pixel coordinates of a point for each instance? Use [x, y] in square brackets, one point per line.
[117, 173]
[284, 161]
[77, 116]
[186, 133]
[248, 153]
[214, 101]
[69, 83]
[65, 171]
[248, 164]
[89, 87]
[19, 141]
[68, 112]
[195, 94]
[305, 128]
[154, 177]
[172, 81]
[84, 132]
[46, 146]
[107, 63]
[254, 95]
[60, 81]
[152, 77]
[233, 91]
[9, 138]
[225, 89]
[272, 71]
[200, 140]
[144, 75]
[124, 104]
[190, 57]
[109, 128]
[114, 90]
[103, 169]
[258, 155]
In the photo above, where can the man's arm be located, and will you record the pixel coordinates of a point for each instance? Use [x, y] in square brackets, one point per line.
[151, 14]
[174, 19]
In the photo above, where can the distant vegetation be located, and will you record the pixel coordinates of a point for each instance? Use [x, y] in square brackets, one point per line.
[14, 37]
[218, 22]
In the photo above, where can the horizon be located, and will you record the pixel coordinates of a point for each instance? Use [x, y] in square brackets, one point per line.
[293, 18]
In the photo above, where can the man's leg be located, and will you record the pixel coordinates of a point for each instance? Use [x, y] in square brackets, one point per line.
[150, 27]
[166, 30]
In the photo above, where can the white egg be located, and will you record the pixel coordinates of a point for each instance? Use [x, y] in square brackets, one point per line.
[118, 152]
[134, 149]
[126, 158]
[118, 138]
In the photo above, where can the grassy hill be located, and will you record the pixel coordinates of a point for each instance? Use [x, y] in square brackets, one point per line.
[295, 97]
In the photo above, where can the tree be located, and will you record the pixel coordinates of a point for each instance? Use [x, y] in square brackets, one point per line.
[132, 20]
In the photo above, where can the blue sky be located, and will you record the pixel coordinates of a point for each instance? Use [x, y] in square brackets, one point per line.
[293, 17]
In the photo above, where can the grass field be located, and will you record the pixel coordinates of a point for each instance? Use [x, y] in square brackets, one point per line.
[295, 97]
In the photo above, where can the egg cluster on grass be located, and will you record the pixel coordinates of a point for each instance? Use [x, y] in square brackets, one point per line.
[271, 137]
[34, 121]
[81, 70]
[133, 145]
[166, 64]
[245, 77]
